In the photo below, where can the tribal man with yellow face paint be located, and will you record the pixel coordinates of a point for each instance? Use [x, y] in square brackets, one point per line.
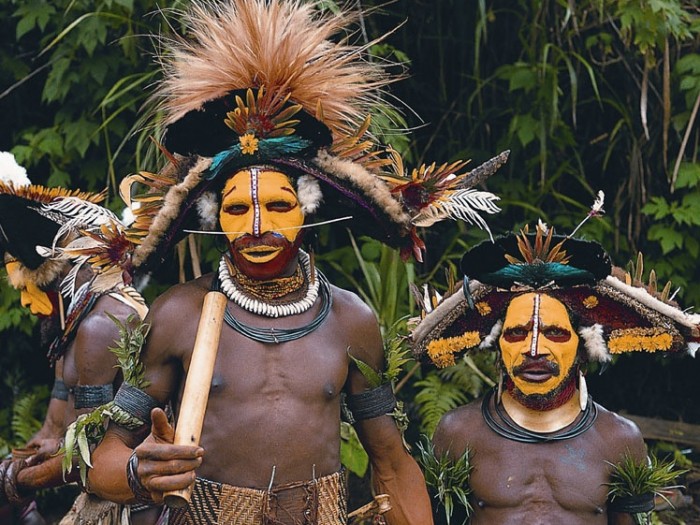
[539, 448]
[539, 351]
[261, 216]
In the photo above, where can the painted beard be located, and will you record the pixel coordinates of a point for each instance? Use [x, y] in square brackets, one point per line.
[556, 397]
[279, 266]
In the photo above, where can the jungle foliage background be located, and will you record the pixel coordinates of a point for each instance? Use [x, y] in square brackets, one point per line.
[587, 95]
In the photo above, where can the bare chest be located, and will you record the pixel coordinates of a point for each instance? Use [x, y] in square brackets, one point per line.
[567, 476]
[312, 368]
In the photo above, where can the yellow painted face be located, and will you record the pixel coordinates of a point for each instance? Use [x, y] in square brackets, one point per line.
[31, 296]
[538, 343]
[261, 216]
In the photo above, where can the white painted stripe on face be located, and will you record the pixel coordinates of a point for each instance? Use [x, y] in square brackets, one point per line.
[254, 174]
[535, 325]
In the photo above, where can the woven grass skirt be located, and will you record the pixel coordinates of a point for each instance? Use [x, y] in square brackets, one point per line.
[317, 502]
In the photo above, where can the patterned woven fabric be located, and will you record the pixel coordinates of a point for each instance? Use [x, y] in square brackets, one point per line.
[319, 502]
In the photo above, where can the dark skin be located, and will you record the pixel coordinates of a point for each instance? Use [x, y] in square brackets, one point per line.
[541, 483]
[269, 405]
[87, 361]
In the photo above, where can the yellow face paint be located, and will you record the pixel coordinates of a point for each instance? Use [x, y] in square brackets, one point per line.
[31, 296]
[261, 216]
[538, 343]
[256, 201]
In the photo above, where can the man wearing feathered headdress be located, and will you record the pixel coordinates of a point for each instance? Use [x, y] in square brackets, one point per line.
[267, 124]
[538, 447]
[39, 227]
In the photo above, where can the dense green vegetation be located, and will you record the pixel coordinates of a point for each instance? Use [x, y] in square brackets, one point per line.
[588, 95]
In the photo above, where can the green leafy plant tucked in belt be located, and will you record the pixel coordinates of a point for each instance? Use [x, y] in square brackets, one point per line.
[631, 481]
[448, 479]
[88, 429]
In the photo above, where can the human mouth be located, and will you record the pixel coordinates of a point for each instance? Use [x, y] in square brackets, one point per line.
[260, 253]
[537, 372]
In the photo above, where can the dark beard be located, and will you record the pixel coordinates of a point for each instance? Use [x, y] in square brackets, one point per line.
[49, 329]
[552, 399]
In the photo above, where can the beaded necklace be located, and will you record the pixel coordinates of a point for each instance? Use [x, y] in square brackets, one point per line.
[250, 303]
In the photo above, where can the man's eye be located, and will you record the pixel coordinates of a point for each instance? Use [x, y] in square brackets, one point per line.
[513, 335]
[236, 209]
[280, 206]
[555, 333]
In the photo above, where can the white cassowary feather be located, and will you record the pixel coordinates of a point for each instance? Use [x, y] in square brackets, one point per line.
[462, 204]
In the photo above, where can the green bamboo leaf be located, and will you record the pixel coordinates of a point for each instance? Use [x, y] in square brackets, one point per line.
[373, 378]
[84, 448]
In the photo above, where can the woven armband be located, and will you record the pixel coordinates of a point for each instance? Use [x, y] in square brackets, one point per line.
[59, 390]
[633, 504]
[91, 396]
[133, 407]
[373, 403]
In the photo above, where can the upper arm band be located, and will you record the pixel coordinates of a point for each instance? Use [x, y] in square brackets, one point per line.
[633, 504]
[135, 402]
[91, 396]
[372, 403]
[59, 390]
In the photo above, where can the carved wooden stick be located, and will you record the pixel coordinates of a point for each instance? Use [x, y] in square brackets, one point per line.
[196, 392]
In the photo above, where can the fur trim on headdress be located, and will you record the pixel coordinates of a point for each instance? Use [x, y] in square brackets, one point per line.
[370, 184]
[280, 45]
[47, 273]
[208, 210]
[594, 342]
[643, 296]
[171, 209]
[309, 194]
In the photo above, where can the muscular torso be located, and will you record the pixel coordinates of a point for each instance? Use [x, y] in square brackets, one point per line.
[540, 483]
[269, 404]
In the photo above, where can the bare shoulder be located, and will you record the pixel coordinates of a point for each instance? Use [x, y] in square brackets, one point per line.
[359, 325]
[99, 324]
[456, 429]
[96, 335]
[173, 318]
[623, 434]
[179, 296]
[353, 309]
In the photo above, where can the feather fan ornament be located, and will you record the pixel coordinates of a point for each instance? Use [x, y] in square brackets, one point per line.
[434, 193]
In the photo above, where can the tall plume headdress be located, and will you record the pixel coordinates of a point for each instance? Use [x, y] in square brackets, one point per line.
[278, 83]
[616, 314]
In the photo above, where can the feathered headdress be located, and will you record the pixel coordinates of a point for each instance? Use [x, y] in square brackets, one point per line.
[31, 216]
[615, 315]
[47, 230]
[276, 82]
